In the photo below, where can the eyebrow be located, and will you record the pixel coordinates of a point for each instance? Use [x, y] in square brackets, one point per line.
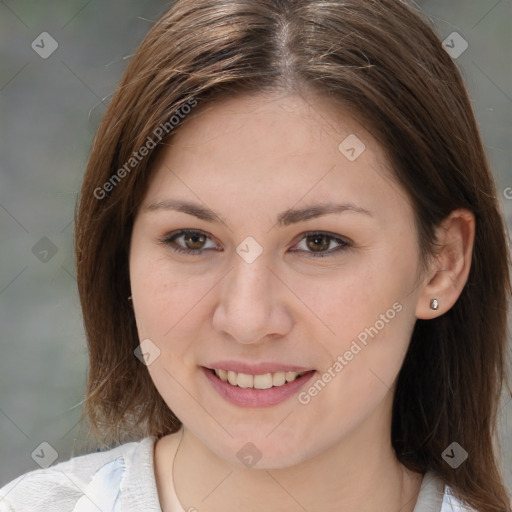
[290, 216]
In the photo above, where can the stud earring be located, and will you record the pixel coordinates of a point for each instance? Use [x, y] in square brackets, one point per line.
[434, 304]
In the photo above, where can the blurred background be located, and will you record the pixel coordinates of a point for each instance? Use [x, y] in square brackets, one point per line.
[60, 61]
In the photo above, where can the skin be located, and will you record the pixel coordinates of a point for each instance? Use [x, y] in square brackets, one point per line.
[249, 158]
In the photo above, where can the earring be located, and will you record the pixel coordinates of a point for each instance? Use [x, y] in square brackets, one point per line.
[130, 298]
[434, 304]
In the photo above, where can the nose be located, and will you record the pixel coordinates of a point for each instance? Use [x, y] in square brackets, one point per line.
[252, 305]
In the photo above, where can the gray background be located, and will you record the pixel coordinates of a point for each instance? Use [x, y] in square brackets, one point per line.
[49, 110]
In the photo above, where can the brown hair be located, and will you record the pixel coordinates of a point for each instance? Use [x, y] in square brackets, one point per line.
[383, 61]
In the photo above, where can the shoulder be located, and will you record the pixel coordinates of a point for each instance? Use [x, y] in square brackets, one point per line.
[435, 496]
[63, 486]
[452, 504]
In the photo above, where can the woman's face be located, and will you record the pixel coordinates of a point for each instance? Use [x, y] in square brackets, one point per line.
[298, 275]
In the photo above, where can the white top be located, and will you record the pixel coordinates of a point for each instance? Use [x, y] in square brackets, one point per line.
[123, 480]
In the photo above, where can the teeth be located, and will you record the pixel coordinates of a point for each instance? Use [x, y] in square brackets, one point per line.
[232, 378]
[265, 381]
[260, 381]
[246, 381]
[290, 376]
[279, 378]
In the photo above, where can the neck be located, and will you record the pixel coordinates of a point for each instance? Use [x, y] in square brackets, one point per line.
[361, 474]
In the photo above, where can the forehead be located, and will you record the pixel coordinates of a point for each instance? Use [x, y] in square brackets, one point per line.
[273, 149]
[303, 124]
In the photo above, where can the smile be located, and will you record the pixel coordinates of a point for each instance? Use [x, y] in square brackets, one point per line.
[258, 389]
[264, 381]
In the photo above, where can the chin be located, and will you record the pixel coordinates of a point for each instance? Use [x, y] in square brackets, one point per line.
[257, 449]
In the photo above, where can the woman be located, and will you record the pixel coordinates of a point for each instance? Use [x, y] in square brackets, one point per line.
[293, 272]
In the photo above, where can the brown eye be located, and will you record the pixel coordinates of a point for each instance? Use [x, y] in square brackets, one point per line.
[194, 240]
[189, 242]
[318, 243]
[321, 244]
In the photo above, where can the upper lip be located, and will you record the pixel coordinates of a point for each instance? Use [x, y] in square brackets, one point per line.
[256, 368]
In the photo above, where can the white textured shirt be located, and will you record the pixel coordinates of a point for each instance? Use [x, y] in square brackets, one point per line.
[123, 480]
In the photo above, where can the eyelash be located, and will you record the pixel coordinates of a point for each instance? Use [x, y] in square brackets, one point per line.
[169, 241]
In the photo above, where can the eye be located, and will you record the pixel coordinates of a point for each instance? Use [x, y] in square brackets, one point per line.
[316, 244]
[320, 244]
[188, 241]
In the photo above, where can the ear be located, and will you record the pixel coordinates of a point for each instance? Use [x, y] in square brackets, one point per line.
[449, 270]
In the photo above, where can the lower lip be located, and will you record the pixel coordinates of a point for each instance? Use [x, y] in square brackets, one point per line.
[250, 397]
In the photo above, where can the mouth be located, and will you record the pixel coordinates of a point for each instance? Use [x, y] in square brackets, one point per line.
[256, 389]
[262, 381]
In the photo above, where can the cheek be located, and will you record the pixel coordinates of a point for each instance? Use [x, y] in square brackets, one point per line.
[165, 299]
[368, 316]
[167, 308]
[355, 298]
[357, 381]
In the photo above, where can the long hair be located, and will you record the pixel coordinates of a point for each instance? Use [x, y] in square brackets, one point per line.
[383, 61]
